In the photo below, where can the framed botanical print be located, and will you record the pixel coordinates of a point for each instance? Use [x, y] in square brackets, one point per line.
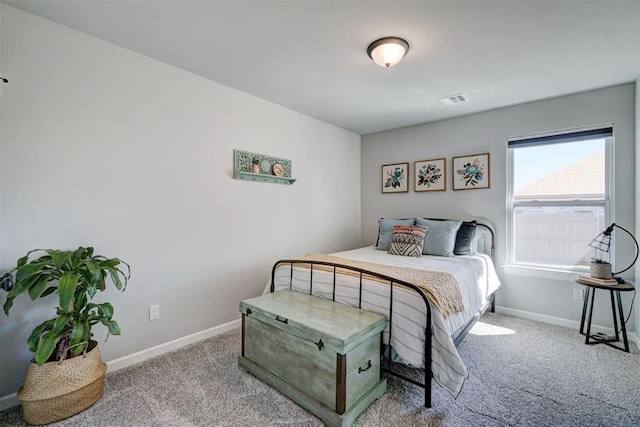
[430, 175]
[471, 172]
[394, 178]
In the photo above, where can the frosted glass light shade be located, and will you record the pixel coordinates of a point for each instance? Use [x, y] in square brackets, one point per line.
[388, 51]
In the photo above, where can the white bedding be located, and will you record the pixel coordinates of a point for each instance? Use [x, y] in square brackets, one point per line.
[475, 274]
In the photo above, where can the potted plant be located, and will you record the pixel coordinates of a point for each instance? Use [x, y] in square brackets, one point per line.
[66, 375]
[600, 268]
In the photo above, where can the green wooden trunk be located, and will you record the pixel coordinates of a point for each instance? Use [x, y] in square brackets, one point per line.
[323, 355]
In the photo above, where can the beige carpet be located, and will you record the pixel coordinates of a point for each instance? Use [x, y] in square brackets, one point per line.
[522, 373]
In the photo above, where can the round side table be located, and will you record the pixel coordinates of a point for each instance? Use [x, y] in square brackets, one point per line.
[614, 291]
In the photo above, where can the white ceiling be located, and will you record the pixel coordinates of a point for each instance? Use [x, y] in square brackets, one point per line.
[310, 56]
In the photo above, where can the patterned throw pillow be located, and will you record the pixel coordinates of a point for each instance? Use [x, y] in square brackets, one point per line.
[385, 231]
[407, 240]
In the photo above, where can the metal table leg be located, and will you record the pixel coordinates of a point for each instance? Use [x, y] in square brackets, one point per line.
[585, 297]
[615, 318]
[623, 327]
[588, 335]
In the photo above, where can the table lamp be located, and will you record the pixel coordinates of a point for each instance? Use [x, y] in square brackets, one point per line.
[602, 242]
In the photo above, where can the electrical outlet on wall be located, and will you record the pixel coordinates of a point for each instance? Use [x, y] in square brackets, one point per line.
[577, 294]
[154, 312]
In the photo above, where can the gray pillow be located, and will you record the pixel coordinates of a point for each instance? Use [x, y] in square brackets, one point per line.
[385, 231]
[464, 238]
[441, 237]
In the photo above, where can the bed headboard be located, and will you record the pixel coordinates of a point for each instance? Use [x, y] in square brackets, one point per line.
[484, 239]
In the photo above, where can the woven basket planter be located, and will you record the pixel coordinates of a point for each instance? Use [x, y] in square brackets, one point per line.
[600, 270]
[57, 390]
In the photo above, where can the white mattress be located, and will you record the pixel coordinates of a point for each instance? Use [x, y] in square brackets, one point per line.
[475, 274]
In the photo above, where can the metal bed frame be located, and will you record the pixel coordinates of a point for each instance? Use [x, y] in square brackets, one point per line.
[458, 335]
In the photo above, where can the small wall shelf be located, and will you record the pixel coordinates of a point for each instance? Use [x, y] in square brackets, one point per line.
[244, 163]
[259, 177]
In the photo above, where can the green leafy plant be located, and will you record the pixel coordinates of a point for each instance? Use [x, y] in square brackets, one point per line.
[599, 261]
[76, 276]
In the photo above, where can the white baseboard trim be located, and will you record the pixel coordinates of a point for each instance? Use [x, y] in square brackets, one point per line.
[158, 350]
[538, 317]
[10, 400]
[574, 324]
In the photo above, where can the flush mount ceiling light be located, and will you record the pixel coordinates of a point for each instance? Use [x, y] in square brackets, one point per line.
[388, 51]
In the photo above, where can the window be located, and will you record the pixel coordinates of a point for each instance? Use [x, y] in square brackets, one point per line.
[558, 197]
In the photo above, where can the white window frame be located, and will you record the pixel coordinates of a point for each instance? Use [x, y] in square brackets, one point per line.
[548, 271]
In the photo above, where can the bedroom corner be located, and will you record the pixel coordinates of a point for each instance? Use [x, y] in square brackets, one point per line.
[544, 298]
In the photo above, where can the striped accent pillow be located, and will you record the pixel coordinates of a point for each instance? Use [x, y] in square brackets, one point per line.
[408, 240]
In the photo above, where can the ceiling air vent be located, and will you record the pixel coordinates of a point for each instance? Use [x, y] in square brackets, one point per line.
[454, 99]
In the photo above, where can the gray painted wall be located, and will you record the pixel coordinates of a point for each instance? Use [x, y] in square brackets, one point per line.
[637, 162]
[102, 146]
[537, 297]
[2, 90]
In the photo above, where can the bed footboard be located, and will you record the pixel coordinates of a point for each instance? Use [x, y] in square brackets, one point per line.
[333, 268]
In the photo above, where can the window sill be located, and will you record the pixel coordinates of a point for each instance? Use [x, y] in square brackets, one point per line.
[543, 273]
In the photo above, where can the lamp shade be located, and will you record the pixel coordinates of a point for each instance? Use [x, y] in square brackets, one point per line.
[602, 242]
[388, 51]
